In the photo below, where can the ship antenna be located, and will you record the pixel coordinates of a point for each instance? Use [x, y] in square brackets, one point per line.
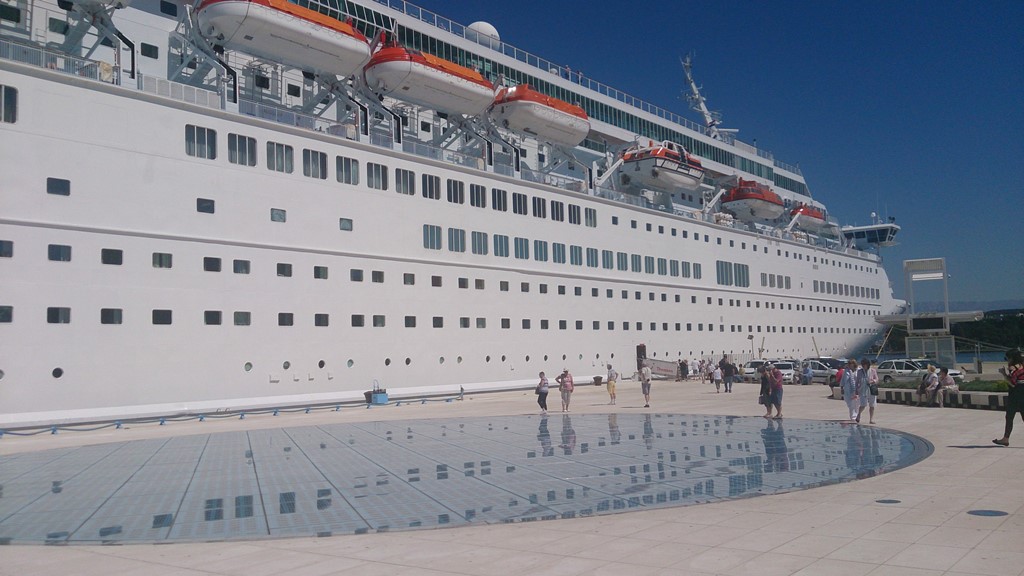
[697, 102]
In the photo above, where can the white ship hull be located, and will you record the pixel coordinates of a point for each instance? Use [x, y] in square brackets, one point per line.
[147, 268]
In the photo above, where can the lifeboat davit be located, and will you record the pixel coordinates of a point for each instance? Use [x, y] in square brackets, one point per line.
[284, 32]
[809, 217]
[751, 200]
[665, 166]
[426, 80]
[526, 111]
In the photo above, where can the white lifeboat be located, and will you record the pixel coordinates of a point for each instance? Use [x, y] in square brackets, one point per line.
[810, 217]
[750, 200]
[526, 111]
[284, 32]
[426, 80]
[665, 166]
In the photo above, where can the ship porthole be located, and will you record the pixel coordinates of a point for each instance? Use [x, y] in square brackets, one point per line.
[1, 374]
[527, 357]
[545, 357]
[563, 356]
[286, 365]
[408, 361]
[248, 366]
[488, 358]
[502, 357]
[58, 372]
[321, 363]
[350, 363]
[581, 356]
[440, 360]
[459, 360]
[613, 355]
[387, 361]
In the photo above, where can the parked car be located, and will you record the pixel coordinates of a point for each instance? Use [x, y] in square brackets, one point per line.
[749, 370]
[823, 369]
[789, 372]
[909, 370]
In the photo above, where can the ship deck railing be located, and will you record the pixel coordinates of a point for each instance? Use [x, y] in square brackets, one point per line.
[566, 73]
[59, 61]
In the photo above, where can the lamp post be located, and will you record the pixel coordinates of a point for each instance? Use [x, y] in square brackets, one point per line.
[751, 338]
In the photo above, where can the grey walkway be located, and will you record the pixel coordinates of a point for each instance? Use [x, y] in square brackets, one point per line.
[923, 525]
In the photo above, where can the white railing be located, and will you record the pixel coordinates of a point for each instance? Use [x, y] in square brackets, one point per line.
[71, 65]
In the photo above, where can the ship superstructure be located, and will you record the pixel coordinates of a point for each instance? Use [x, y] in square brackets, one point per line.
[240, 204]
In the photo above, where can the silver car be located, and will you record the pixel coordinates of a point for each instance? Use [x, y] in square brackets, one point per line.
[909, 370]
[822, 369]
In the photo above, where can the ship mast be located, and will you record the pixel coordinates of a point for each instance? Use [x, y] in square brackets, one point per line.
[697, 103]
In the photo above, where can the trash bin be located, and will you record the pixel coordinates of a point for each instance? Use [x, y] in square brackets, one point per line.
[369, 396]
[598, 380]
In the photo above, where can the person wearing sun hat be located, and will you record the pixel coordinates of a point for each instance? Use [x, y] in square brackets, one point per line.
[849, 385]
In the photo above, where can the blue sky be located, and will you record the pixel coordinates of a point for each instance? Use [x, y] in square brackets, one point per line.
[909, 109]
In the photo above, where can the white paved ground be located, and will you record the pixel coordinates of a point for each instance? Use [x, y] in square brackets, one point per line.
[837, 530]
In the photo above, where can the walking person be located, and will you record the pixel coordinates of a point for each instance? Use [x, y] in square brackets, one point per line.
[868, 394]
[542, 393]
[613, 377]
[565, 387]
[716, 376]
[766, 391]
[849, 386]
[645, 384]
[1014, 374]
[775, 380]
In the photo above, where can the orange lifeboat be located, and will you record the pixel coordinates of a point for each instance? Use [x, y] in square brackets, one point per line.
[665, 166]
[426, 80]
[285, 32]
[524, 110]
[751, 200]
[810, 217]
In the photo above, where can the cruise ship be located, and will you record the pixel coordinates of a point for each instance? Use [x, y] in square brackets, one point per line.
[240, 204]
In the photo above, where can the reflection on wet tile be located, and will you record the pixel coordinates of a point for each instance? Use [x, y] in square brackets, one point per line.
[362, 478]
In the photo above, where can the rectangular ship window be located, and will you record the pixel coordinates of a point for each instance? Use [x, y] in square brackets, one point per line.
[161, 317]
[8, 102]
[6, 248]
[111, 256]
[6, 314]
[278, 215]
[431, 187]
[58, 186]
[320, 272]
[280, 157]
[376, 176]
[410, 321]
[243, 318]
[405, 182]
[212, 317]
[59, 252]
[211, 264]
[110, 316]
[241, 266]
[345, 224]
[348, 170]
[162, 260]
[285, 319]
[205, 205]
[200, 142]
[241, 150]
[314, 164]
[321, 319]
[149, 50]
[58, 315]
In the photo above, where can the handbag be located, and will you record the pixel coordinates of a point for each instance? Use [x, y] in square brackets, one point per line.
[762, 400]
[874, 389]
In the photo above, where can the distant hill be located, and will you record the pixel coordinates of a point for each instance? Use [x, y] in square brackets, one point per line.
[970, 306]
